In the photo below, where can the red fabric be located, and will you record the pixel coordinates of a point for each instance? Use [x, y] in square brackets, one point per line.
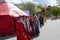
[20, 32]
[6, 25]
[29, 34]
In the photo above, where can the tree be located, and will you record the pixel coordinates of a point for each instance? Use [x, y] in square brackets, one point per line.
[33, 8]
[55, 11]
[36, 9]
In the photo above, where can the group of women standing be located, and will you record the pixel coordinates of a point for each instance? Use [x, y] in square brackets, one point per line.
[27, 27]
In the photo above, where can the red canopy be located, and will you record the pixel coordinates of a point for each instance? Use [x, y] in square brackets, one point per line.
[7, 21]
[10, 9]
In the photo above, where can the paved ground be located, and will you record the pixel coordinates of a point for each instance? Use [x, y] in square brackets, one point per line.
[50, 31]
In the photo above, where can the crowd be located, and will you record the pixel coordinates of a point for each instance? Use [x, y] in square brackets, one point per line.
[27, 27]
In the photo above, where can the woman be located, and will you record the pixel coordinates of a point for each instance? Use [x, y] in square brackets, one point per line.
[32, 26]
[36, 25]
[21, 35]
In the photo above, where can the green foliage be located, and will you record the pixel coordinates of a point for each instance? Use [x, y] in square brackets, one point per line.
[33, 8]
[36, 9]
[55, 11]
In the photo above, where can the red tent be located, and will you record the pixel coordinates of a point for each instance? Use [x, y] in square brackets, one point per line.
[7, 13]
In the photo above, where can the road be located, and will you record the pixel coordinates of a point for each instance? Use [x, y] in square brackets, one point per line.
[50, 31]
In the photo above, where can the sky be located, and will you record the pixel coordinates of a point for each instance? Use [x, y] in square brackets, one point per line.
[47, 2]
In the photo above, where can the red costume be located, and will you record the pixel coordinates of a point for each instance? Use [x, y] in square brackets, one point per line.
[20, 32]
